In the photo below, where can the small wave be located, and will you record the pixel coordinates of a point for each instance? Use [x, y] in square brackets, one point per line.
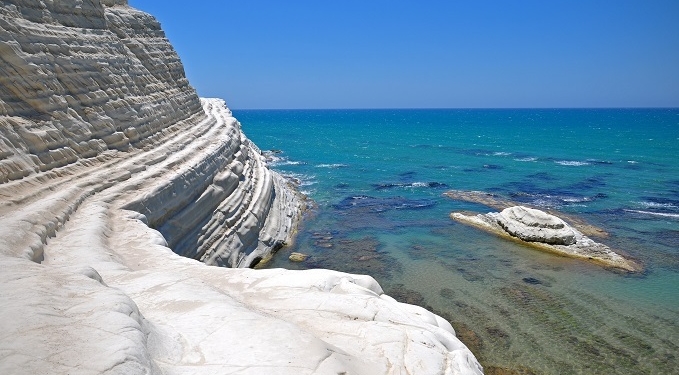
[661, 214]
[657, 205]
[501, 153]
[332, 166]
[596, 161]
[299, 179]
[577, 200]
[271, 158]
[526, 159]
[572, 163]
[556, 200]
[274, 160]
[546, 203]
[432, 184]
[287, 162]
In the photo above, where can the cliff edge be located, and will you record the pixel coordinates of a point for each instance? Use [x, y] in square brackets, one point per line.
[117, 184]
[85, 87]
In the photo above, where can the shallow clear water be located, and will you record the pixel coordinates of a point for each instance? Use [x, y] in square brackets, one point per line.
[378, 178]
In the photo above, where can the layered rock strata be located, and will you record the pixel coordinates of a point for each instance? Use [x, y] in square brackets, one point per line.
[533, 225]
[546, 232]
[109, 162]
[79, 85]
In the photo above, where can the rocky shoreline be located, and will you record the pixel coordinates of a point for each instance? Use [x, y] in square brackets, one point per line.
[119, 186]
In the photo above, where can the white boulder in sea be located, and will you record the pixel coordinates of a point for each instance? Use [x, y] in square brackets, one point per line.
[534, 225]
[544, 231]
[110, 167]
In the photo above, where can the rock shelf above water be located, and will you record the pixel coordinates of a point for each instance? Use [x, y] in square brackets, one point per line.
[533, 225]
[499, 203]
[541, 230]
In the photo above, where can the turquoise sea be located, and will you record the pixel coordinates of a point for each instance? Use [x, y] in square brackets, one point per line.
[378, 177]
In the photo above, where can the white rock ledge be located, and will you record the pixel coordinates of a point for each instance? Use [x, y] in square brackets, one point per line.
[546, 232]
[111, 298]
[102, 139]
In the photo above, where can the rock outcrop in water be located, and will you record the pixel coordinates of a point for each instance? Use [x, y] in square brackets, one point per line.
[547, 232]
[533, 225]
[499, 203]
[108, 160]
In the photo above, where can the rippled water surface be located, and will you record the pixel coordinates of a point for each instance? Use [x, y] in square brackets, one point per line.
[378, 176]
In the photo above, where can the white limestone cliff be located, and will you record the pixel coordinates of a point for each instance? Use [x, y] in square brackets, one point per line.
[111, 168]
[73, 97]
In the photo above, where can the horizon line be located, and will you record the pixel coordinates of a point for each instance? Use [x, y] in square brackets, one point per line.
[440, 108]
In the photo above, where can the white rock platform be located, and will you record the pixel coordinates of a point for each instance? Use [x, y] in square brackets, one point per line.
[546, 232]
[110, 298]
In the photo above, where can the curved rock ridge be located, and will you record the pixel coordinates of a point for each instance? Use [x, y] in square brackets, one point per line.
[546, 232]
[220, 203]
[110, 167]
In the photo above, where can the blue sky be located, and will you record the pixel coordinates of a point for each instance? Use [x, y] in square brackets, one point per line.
[427, 54]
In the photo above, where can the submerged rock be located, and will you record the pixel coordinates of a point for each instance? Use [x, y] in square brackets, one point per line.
[432, 184]
[297, 257]
[546, 232]
[368, 204]
[531, 280]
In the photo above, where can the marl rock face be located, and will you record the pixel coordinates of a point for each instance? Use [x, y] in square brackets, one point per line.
[78, 79]
[108, 160]
[81, 81]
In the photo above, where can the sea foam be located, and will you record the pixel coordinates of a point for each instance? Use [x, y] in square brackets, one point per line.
[572, 163]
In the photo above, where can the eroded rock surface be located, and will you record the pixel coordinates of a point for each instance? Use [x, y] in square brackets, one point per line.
[546, 232]
[534, 225]
[109, 162]
[82, 82]
[499, 203]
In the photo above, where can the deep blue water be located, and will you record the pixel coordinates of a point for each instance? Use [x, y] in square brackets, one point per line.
[378, 177]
